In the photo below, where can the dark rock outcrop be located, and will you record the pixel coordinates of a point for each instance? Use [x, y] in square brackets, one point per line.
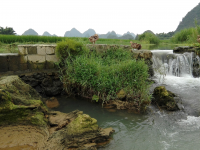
[47, 84]
[183, 49]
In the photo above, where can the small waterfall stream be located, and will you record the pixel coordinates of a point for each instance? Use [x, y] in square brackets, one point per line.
[156, 130]
[175, 71]
[166, 62]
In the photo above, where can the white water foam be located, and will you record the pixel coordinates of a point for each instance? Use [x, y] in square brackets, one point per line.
[191, 123]
[165, 62]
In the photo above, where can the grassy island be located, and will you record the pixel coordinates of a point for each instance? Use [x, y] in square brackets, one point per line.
[103, 75]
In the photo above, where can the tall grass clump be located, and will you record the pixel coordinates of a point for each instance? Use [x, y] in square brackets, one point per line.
[188, 35]
[149, 38]
[103, 75]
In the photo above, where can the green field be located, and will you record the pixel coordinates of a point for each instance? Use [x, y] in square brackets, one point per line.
[8, 43]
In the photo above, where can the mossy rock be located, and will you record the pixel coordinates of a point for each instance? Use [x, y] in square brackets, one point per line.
[17, 104]
[121, 94]
[164, 98]
[82, 124]
[20, 92]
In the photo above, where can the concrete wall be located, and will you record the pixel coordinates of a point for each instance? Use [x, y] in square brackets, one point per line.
[29, 57]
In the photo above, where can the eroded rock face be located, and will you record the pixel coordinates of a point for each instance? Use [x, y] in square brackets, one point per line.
[166, 99]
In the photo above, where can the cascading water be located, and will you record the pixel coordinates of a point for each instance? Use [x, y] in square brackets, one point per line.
[175, 71]
[166, 62]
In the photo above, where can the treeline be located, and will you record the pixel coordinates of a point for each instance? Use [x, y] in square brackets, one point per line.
[164, 36]
[7, 31]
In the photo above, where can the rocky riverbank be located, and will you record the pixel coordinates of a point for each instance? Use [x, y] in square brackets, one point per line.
[27, 123]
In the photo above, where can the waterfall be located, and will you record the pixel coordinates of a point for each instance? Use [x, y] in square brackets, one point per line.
[165, 62]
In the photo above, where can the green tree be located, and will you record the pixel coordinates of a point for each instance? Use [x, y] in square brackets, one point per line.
[7, 31]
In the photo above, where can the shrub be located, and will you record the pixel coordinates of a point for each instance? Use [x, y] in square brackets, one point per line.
[149, 38]
[69, 47]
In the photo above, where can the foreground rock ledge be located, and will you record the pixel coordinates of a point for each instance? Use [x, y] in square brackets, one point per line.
[25, 122]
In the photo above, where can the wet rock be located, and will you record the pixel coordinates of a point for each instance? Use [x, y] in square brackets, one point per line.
[196, 72]
[52, 102]
[81, 132]
[121, 94]
[82, 124]
[166, 99]
[118, 104]
[183, 49]
[142, 54]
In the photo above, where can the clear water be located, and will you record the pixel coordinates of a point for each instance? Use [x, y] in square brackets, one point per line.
[155, 130]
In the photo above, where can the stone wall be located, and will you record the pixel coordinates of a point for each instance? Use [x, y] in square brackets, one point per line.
[42, 57]
[29, 57]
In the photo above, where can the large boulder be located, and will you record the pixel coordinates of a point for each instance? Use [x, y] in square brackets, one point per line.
[166, 99]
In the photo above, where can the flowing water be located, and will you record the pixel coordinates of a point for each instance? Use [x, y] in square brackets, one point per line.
[155, 130]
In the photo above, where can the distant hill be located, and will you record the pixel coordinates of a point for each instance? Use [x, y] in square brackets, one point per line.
[112, 35]
[46, 34]
[148, 31]
[188, 20]
[119, 35]
[73, 33]
[130, 34]
[104, 36]
[30, 32]
[127, 36]
[89, 33]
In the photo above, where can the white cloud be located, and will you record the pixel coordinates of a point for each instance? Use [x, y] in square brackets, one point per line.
[59, 16]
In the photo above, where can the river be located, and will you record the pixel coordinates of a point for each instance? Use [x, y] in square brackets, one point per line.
[154, 130]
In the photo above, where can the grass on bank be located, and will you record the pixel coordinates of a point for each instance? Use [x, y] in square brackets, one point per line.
[104, 74]
[188, 35]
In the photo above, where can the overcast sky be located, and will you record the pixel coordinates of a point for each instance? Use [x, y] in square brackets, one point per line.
[59, 16]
